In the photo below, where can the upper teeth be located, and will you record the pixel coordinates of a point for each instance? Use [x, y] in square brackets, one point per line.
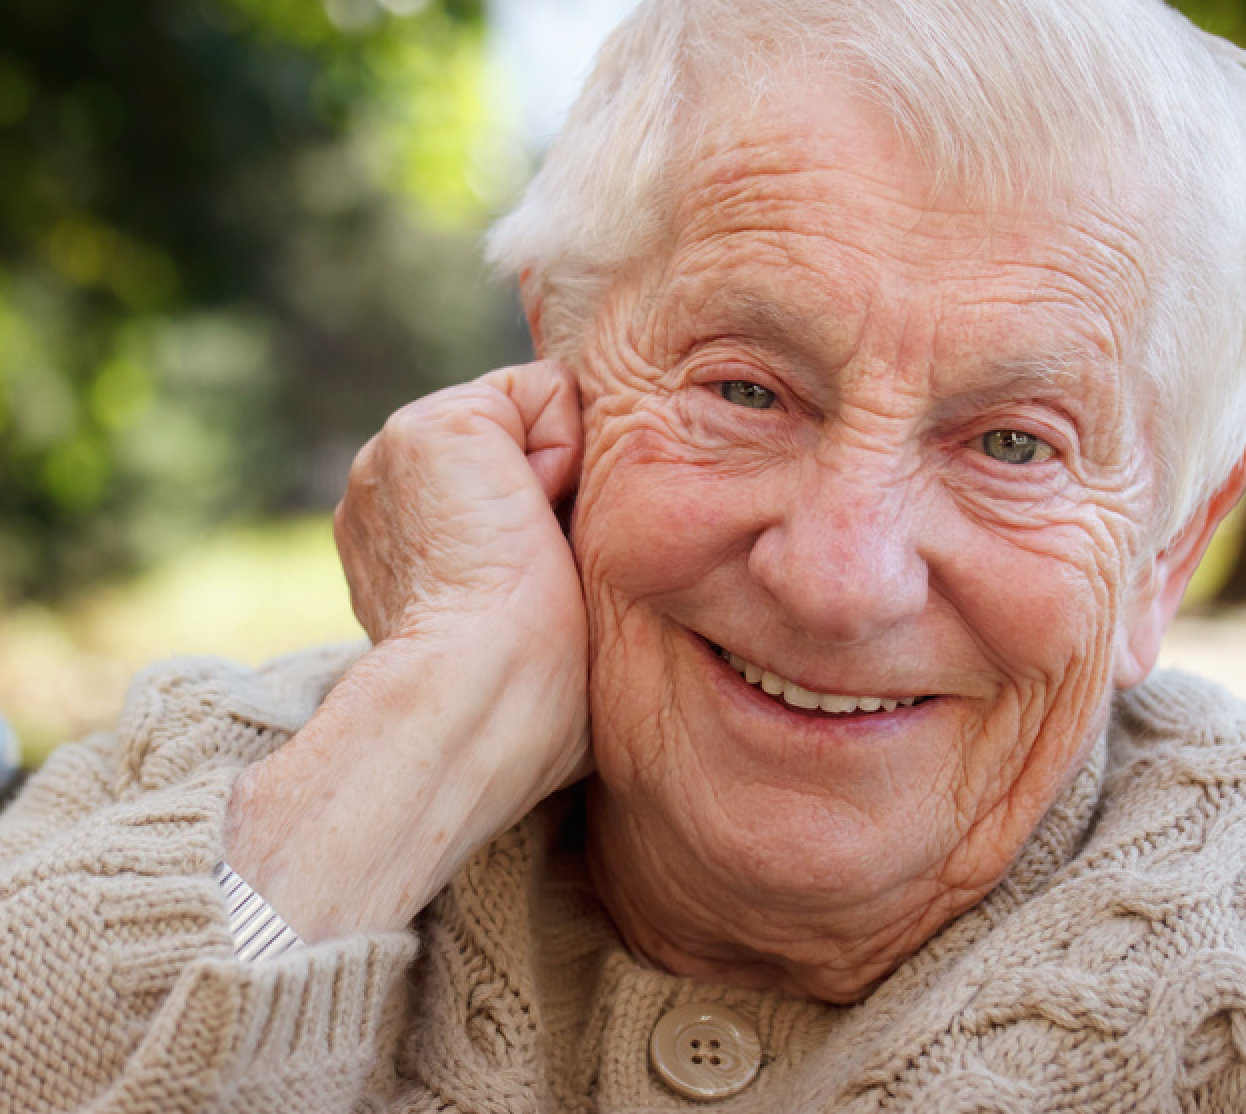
[799, 697]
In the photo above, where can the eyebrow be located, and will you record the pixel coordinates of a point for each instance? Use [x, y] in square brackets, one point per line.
[1044, 373]
[1037, 375]
[749, 313]
[1068, 371]
[1071, 382]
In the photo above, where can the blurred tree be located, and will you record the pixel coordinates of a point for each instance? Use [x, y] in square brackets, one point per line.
[233, 235]
[1221, 17]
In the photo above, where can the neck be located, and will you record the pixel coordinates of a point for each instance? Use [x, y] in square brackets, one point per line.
[673, 913]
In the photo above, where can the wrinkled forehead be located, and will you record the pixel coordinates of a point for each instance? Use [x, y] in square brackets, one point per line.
[990, 111]
[835, 117]
[815, 186]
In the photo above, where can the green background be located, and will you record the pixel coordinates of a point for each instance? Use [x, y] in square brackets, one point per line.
[234, 235]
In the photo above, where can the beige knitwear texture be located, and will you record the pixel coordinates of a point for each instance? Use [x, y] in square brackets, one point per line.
[1106, 973]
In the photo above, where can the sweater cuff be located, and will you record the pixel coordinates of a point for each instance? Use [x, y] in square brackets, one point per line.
[171, 959]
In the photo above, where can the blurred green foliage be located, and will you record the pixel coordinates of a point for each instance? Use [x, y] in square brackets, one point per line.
[233, 235]
[1221, 17]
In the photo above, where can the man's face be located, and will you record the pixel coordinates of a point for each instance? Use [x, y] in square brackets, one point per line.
[881, 447]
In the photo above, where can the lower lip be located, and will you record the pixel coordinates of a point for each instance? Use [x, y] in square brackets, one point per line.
[752, 700]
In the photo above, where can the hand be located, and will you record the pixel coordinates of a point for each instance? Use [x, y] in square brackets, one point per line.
[448, 509]
[471, 706]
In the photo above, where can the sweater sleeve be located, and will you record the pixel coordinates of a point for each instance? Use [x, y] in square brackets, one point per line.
[118, 987]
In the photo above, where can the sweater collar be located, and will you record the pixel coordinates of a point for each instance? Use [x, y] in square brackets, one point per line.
[570, 1011]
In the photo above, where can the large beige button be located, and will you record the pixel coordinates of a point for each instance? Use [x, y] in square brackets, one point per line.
[705, 1051]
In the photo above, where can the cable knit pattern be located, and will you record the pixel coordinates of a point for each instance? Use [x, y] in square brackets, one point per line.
[118, 990]
[1107, 972]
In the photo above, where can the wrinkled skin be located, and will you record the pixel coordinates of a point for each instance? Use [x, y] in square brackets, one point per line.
[853, 537]
[470, 708]
[853, 534]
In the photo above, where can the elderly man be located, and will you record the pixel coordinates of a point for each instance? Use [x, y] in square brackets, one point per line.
[894, 381]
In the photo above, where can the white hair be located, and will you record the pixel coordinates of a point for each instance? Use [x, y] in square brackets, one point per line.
[999, 96]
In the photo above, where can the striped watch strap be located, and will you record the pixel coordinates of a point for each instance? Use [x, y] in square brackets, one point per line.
[258, 932]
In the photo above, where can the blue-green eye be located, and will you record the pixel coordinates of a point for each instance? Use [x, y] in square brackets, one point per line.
[742, 393]
[1014, 447]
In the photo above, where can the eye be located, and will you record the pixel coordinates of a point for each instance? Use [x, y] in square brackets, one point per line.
[1014, 447]
[742, 393]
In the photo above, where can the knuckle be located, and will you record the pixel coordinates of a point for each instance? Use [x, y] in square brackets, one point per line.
[340, 524]
[463, 420]
[473, 408]
[405, 425]
[361, 467]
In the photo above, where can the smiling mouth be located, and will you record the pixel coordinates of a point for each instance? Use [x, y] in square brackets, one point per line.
[796, 696]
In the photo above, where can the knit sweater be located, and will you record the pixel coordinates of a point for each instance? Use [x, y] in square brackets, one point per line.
[1107, 972]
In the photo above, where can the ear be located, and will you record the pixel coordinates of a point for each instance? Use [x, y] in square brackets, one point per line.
[1158, 593]
[532, 296]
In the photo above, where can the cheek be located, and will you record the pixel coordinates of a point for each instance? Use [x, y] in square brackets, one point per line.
[1044, 603]
[653, 519]
[1043, 610]
[653, 525]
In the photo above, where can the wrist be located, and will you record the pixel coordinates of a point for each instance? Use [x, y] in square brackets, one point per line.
[359, 820]
[336, 850]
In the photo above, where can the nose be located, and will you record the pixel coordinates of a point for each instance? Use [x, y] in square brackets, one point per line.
[842, 558]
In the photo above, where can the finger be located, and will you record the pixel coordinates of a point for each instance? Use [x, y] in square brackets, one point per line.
[585, 766]
[548, 401]
[363, 467]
